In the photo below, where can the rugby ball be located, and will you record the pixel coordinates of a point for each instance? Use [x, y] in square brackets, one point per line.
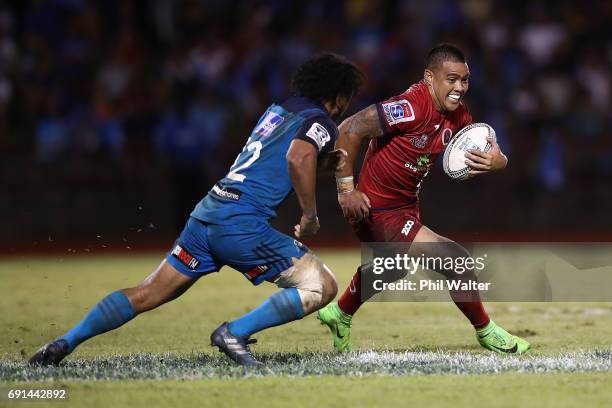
[474, 137]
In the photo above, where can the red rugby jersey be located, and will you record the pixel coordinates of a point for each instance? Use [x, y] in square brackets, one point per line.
[415, 133]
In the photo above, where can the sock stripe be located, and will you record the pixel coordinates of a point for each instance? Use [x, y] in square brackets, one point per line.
[283, 312]
[115, 310]
[112, 307]
[106, 314]
[282, 302]
[109, 313]
[282, 307]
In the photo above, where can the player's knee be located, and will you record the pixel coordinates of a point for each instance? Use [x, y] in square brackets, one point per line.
[313, 280]
[143, 298]
[322, 289]
[458, 268]
[137, 299]
[330, 286]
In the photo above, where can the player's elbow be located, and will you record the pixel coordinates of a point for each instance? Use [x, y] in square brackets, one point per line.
[346, 135]
[361, 126]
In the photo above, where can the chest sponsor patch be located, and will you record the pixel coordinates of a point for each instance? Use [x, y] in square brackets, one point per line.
[185, 257]
[398, 112]
[420, 141]
[269, 123]
[319, 134]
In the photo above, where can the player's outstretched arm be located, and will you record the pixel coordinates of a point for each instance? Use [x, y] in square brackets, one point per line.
[353, 131]
[302, 166]
[332, 162]
[482, 162]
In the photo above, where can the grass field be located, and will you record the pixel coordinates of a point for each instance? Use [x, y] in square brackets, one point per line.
[417, 354]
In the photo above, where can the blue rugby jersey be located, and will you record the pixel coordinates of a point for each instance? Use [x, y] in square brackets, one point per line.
[259, 181]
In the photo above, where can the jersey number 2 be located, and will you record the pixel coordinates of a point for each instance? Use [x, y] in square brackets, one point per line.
[233, 173]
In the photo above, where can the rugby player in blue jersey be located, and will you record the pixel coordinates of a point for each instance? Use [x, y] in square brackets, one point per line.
[230, 226]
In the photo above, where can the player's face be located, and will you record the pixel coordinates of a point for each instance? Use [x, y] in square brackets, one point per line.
[448, 84]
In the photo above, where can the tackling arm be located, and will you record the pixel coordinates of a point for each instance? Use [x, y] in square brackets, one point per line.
[302, 166]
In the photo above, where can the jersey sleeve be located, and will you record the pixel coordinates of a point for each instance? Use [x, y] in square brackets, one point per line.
[321, 132]
[398, 114]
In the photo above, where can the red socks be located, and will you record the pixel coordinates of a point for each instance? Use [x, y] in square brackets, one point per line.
[350, 302]
[475, 313]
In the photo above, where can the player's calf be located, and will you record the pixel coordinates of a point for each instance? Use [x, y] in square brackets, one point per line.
[306, 287]
[116, 309]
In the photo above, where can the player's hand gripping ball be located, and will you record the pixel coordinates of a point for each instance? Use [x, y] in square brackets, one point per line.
[475, 137]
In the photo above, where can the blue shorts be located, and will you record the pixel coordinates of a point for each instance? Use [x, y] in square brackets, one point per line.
[253, 248]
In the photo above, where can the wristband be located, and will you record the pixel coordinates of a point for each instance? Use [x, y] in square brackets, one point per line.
[345, 184]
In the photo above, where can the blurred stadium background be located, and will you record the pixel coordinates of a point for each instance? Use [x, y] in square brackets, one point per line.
[117, 116]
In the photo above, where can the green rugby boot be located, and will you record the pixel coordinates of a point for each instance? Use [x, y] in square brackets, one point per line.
[496, 339]
[339, 324]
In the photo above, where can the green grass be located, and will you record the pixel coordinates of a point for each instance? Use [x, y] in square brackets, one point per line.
[508, 390]
[41, 297]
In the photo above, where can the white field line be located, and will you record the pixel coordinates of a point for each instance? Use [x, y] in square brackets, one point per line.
[172, 366]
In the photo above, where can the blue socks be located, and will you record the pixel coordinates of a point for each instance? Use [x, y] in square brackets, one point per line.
[112, 312]
[282, 307]
[115, 310]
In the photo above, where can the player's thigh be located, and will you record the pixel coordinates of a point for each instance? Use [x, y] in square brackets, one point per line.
[255, 249]
[389, 233]
[425, 234]
[189, 259]
[402, 226]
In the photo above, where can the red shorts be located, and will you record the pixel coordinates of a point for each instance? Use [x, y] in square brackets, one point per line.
[398, 225]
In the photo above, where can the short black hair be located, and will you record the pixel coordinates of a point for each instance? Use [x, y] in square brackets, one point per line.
[443, 52]
[325, 76]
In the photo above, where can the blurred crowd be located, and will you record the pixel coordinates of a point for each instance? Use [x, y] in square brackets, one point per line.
[164, 92]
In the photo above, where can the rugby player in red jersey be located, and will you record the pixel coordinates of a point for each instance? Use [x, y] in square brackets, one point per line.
[407, 133]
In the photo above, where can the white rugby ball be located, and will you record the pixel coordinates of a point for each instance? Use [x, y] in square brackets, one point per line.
[474, 137]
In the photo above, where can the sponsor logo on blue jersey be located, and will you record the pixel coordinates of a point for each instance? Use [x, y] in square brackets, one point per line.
[319, 134]
[225, 192]
[185, 257]
[269, 123]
